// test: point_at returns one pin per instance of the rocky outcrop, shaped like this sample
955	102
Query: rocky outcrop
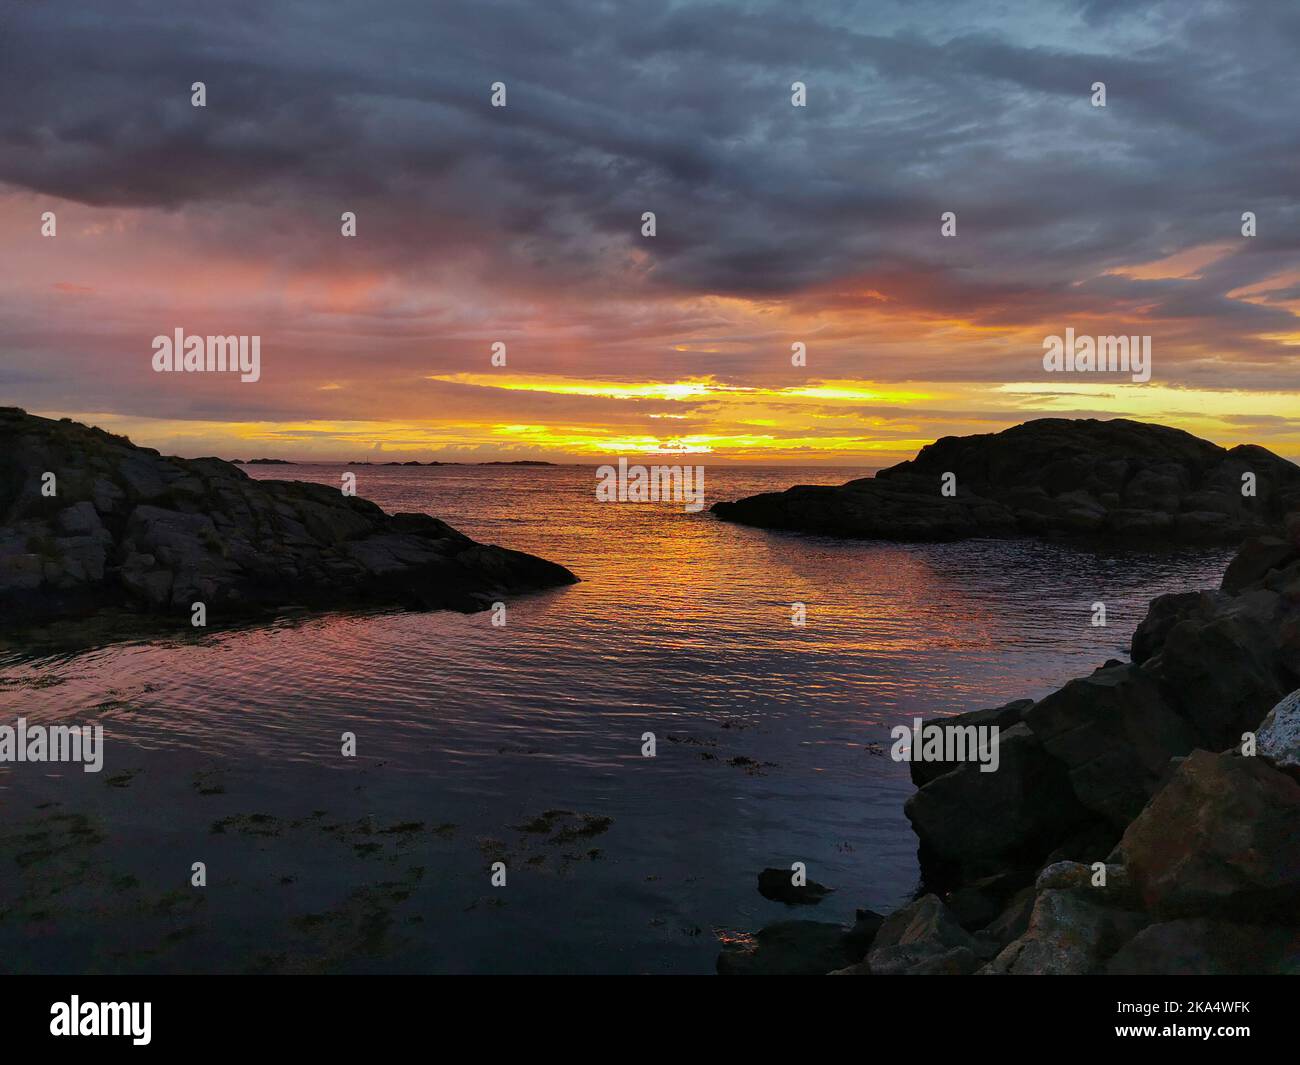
1185	763
1221	839
974	824
1114	480
89	521
924	938
1144	819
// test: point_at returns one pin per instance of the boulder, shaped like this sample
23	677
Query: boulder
1012	922
973	824
1070	934
923	938
788	948
1201	850
1222	666
778	885
1002	716
1115	733
1257	558
980	902
1278	738
1203	947
1221	839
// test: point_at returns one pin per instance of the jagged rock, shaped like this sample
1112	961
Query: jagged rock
80	519
1012	922
788	948
976	823
923	938
1257	558
1114	889
1002	716
1205	845
1117	480
1203	947
1069	934
1162	615
1222	665
977	904
1278	738
1115	733
130	529
778	885
1222	838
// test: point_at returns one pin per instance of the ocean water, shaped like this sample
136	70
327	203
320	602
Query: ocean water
523	744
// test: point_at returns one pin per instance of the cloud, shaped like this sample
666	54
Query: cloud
522	224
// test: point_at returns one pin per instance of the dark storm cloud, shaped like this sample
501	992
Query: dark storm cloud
682	109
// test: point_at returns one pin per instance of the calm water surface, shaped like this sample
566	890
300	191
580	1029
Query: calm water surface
225	748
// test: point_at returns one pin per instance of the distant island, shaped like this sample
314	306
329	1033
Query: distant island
516	462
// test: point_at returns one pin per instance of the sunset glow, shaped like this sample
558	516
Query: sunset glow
784	233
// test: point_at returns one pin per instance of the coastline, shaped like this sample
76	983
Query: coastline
1144	820
90	523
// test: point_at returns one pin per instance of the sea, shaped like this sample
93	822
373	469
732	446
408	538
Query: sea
588	782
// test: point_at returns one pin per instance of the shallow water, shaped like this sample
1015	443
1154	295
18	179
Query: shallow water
225	748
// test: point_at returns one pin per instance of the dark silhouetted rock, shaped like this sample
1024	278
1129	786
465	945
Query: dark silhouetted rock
1221	839
788	948
1116	480
978	903
1071	932
859	938
1203	947
778	885
1115	733
1258	557
1002	716
973	824
1201	850
130	529
923	938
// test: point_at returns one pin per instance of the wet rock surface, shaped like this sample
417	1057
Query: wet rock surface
789	948
779	885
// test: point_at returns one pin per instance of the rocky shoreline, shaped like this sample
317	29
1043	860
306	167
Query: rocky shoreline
1143	820
91	524
1118	481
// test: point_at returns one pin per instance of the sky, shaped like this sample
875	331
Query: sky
775	225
